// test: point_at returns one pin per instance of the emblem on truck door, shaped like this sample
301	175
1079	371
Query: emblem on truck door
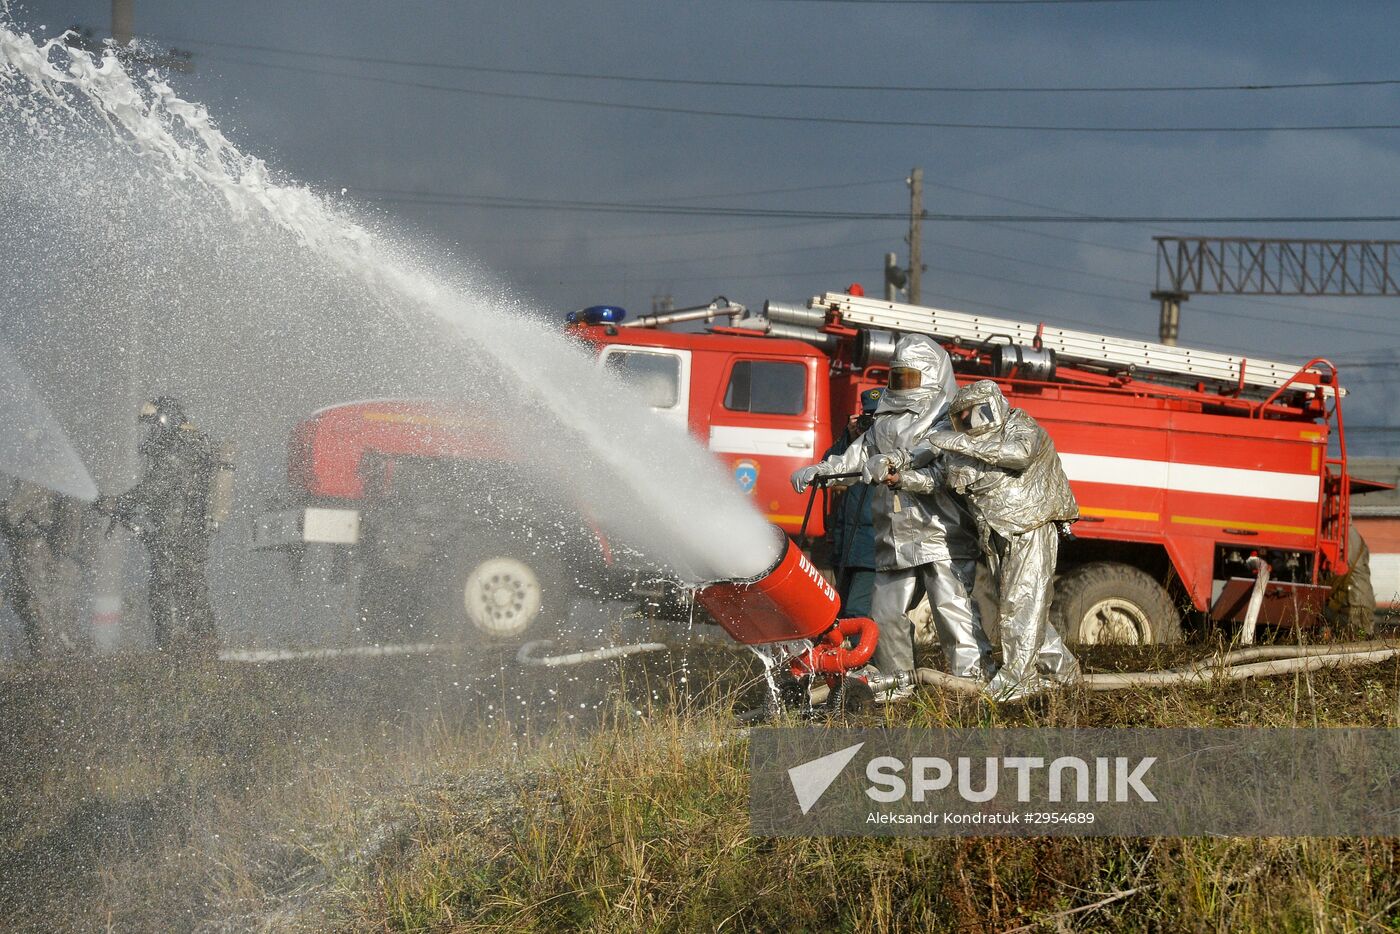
746	473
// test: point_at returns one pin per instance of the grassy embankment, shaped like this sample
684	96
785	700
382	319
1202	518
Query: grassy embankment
394	797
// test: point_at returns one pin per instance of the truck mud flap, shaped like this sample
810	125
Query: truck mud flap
1285	604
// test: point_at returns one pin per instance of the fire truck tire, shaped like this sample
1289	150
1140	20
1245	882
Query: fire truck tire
1110	603
502	595
1353	600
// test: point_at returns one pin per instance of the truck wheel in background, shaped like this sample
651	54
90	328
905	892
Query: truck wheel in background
1107	603
1352	603
501	594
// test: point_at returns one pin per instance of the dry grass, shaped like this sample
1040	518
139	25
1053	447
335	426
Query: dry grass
389	796
645	828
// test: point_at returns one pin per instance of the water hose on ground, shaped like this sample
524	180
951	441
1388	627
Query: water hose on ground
527	656
260	656
1238	665
1232	666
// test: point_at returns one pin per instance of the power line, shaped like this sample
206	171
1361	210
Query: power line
661	280
798	118
705	259
791	85
1030	285
1049	236
835	186
1027	262
623	207
664	234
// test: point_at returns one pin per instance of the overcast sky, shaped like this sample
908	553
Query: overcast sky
303	99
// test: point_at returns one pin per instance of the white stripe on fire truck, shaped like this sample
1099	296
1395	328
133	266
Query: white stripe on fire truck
783	442
1191	478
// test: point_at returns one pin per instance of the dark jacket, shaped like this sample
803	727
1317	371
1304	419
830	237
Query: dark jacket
171	501
851	525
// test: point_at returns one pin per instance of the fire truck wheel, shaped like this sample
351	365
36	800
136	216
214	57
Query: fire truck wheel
1107	603
502	596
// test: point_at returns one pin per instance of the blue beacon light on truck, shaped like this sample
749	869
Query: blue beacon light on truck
597	314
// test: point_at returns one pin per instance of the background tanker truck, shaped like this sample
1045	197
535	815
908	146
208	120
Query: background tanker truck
1202	477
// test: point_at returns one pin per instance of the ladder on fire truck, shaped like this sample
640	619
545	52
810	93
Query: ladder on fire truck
1070	347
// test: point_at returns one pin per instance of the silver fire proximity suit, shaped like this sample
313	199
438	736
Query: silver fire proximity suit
924	539
1007	467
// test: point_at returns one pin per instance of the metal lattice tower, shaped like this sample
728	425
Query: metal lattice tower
1189	266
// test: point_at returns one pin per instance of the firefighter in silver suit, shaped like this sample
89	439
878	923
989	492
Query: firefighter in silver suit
1006	466
925	541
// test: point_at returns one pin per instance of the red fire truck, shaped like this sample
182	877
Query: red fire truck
1186	464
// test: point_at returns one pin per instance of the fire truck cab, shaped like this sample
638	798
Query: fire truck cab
762	406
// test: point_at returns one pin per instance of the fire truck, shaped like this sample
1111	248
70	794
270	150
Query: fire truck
1203	478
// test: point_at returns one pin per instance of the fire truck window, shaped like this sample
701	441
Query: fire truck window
767	388
657	377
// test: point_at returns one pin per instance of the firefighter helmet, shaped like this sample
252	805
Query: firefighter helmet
163	414
979	408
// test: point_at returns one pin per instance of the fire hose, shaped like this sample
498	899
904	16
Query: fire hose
1237	665
526	655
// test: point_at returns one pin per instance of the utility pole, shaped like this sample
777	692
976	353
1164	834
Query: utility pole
916	231
123	31
123	20
1169	324
895	278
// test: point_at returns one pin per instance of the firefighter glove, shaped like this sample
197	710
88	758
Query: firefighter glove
880	466
802	477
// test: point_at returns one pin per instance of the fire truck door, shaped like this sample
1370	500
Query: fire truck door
660	375
763	427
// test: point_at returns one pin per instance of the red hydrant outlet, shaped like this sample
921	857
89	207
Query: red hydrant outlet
831	657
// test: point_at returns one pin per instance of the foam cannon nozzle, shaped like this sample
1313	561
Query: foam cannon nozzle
791	602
